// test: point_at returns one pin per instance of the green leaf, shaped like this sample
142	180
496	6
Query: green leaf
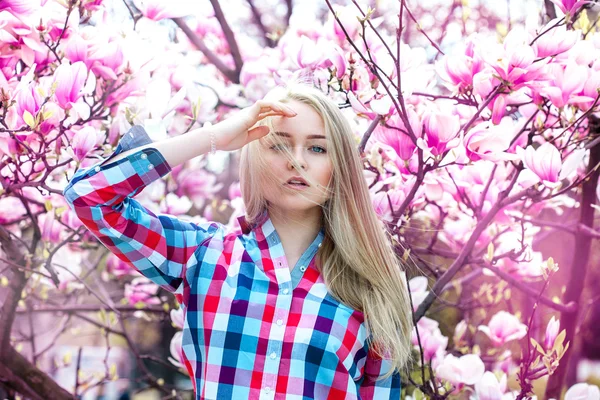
29	120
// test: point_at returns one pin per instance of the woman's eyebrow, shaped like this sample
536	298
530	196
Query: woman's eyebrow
285	134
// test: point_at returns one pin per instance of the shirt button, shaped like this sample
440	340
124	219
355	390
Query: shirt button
267	390
302	268
273	356
150	166
279	322
144	156
286	291
97	169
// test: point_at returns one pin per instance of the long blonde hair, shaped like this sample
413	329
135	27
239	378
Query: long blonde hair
358	263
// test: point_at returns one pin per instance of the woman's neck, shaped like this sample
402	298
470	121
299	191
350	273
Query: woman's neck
296	230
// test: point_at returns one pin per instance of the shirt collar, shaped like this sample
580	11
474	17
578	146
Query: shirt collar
265	222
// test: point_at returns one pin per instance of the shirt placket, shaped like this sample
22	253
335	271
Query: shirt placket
280	317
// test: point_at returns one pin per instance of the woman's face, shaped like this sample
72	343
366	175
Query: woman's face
304	137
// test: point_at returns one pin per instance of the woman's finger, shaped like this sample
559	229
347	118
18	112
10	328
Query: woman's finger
268	105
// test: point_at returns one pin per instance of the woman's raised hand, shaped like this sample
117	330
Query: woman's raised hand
236	131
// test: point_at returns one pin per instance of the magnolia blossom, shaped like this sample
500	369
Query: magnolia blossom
418	290
441	132
460	331
431	338
459	68
504	327
177	317
551	333
141	291
583	391
397	135
175	205
160	9
177	357
118	267
11	209
466	370
69	81
566	82
569	6
490	142
555	40
51	230
84	141
489	387
544	164
198	185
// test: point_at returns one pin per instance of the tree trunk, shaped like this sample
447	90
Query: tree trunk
579	267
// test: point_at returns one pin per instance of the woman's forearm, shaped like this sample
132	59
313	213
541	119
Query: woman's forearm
177	149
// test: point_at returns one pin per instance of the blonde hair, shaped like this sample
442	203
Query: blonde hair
359	266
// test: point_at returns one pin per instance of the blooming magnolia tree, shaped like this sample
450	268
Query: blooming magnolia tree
473	147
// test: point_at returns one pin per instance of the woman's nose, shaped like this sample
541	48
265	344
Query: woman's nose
299	156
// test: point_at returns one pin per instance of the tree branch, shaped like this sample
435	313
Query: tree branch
199	43
25	378
258	19
230	37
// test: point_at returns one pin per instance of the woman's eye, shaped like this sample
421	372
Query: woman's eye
321	149
276	147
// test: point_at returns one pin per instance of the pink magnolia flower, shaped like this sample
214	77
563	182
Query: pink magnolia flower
234	190
105	59
466	370
569	6
551	333
28	103
585	99
459	69
20	7
337	60
141	291
50	230
490	142
177	317
489	387
397	136
118	267
460	332
504	327
432	340
160	9
77	49
347	16
555	40
177	357
514	61
70	80
441	130
175	205
544	162
583	391
566	82
84	141
382	201
418	290
11	209
198	185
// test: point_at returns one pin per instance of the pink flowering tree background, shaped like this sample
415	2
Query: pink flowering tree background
480	135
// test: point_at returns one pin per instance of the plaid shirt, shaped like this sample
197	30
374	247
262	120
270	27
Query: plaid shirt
253	329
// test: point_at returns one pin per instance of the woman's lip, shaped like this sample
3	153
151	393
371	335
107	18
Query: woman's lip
297	186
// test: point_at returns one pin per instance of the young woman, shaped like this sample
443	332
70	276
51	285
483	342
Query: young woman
306	299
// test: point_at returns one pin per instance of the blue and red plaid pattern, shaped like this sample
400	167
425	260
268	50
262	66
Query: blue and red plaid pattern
253	329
